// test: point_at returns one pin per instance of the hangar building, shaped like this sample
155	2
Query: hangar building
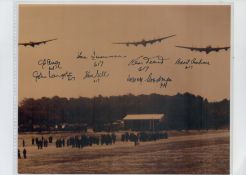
144	122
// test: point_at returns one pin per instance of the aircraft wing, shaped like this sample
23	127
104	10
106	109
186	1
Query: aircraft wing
33	44
24	44
207	49
192	48
45	41
221	48
144	43
159	39
128	43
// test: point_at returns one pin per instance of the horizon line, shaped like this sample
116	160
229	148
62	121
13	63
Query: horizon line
108	96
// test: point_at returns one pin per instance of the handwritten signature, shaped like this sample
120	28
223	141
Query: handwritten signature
147	60
51	75
51	64
95	56
159	79
189	63
96	76
143	63
81	55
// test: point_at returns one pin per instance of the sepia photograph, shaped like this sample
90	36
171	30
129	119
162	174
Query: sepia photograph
124	89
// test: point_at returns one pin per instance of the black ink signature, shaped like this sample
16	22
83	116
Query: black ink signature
200	61
81	56
190	62
67	75
147	60
50	63
133	79
98	74
143	68
158	79
182	61
38	75
94	56
161	80
98	63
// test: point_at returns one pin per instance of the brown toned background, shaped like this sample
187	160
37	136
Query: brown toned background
87	28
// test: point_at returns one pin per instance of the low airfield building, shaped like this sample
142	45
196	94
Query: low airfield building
144	122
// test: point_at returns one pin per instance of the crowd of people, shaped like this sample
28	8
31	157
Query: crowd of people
89	140
143	137
43	142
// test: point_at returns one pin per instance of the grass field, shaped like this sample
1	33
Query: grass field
191	152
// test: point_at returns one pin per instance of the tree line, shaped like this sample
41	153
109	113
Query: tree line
182	111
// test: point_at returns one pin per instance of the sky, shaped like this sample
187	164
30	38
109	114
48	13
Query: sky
90	28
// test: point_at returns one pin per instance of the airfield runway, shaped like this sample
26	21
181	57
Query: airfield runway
183	152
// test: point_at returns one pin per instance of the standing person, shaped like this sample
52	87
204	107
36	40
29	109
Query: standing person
113	138
23	143
19	156
50	139
24	153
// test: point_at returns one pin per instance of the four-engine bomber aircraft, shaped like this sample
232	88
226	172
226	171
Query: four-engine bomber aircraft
207	49
33	44
144	42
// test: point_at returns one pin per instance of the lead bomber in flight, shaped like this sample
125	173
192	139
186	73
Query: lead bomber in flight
144	42
33	44
207	49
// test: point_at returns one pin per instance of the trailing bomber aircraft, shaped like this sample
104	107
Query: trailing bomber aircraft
207	49
144	42
33	44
